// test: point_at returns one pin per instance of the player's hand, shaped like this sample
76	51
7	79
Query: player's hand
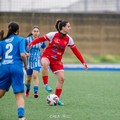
85	66
29	46
26	67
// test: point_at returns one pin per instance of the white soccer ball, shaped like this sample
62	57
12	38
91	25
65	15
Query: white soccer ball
52	99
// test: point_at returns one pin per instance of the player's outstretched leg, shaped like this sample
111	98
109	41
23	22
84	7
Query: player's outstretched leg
45	63
45	81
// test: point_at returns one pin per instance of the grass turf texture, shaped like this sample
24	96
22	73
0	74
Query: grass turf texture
92	58
87	96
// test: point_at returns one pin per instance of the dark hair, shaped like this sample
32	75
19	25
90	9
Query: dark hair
12	29
32	29
60	24
1	34
35	27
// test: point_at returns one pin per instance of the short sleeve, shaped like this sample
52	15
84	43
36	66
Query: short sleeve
50	35
71	42
22	46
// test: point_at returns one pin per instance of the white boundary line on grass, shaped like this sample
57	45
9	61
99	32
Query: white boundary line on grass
93	66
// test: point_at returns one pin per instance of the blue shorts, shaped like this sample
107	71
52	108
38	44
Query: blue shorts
12	75
30	71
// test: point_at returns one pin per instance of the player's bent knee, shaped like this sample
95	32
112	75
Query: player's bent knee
61	79
45	66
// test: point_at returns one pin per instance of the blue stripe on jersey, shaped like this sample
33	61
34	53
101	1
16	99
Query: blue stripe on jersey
34	59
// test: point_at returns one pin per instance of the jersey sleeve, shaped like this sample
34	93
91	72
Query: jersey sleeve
71	42
77	53
22	46
50	36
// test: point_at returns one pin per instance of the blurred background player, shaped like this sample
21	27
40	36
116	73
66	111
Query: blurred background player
12	51
53	53
33	61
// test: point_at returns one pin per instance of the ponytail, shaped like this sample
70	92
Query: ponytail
12	29
59	24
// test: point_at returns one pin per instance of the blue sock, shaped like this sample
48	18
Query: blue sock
35	89
20	112
28	86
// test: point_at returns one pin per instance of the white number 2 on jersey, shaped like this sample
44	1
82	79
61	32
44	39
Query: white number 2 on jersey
9	48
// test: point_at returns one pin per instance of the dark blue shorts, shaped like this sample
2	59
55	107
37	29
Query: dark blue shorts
30	71
12	75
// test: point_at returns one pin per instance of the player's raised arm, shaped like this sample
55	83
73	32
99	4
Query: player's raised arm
37	40
79	56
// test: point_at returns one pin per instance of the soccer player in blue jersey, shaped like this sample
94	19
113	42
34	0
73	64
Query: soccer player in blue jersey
12	51
33	61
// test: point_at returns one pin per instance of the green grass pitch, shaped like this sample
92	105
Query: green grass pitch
87	95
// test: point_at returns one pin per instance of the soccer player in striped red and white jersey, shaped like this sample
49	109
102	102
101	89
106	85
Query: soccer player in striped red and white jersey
52	55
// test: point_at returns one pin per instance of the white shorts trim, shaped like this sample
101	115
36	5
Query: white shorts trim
57	71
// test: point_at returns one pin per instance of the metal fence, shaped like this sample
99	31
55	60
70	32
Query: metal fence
61	6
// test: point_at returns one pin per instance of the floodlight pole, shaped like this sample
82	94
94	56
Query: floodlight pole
86	5
117	5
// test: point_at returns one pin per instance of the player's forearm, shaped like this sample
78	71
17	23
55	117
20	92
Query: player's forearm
37	40
23	57
78	54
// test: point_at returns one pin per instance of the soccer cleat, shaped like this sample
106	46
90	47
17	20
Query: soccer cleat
48	88
27	93
23	118
35	95
60	103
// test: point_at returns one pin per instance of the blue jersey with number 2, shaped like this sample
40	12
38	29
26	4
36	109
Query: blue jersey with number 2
11	48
